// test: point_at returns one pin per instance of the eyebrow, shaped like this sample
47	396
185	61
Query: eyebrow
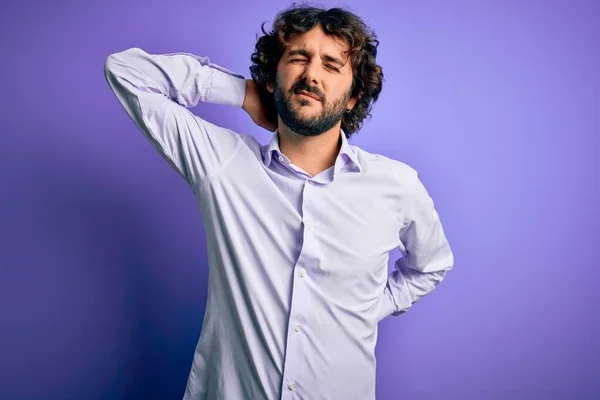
302	52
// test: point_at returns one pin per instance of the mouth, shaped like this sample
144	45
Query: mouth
308	95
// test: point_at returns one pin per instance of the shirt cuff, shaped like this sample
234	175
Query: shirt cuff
226	88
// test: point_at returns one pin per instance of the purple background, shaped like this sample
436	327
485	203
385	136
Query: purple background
102	251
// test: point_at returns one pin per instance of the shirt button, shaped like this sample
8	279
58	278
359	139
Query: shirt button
292	386
302	274
280	158
310	227
298	328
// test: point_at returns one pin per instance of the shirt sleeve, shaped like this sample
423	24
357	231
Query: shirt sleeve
156	91
426	255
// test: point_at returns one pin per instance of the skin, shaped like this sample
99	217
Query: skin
318	63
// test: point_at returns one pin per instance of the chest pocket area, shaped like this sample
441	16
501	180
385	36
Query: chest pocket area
355	245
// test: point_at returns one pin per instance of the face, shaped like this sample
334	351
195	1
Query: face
314	79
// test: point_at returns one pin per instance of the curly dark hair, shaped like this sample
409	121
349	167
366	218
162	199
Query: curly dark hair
367	75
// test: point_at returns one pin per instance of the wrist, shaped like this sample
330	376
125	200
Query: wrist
248	94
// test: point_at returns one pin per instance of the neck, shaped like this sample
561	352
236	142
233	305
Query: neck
314	154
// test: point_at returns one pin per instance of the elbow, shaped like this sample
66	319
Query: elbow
113	63
109	65
442	262
119	59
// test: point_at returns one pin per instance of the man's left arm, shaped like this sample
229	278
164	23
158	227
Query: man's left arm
426	255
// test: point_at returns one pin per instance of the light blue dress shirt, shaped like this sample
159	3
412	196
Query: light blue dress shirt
298	264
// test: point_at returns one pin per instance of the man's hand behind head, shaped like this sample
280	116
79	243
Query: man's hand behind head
255	108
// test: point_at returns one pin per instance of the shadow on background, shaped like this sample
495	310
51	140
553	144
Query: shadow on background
103	304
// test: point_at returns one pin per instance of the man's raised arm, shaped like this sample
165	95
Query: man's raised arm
156	91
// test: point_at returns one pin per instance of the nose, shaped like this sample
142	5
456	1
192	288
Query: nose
312	74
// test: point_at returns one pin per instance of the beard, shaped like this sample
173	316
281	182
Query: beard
315	125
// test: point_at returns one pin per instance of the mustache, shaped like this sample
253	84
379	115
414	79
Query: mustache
302	86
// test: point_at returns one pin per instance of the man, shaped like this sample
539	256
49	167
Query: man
299	231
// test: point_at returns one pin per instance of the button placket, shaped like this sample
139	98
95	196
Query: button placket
299	312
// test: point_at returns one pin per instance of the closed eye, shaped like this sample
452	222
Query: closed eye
329	66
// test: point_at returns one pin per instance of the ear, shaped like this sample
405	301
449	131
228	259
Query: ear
270	87
351	103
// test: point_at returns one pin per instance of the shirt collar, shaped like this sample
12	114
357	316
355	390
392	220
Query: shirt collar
345	155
